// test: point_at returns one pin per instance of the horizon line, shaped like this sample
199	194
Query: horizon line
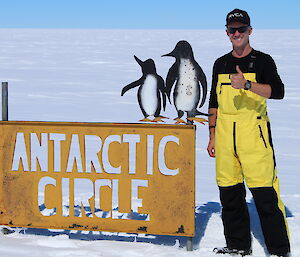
70	28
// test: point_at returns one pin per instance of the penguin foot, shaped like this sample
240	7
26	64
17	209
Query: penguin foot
159	119
178	121
200	120
145	120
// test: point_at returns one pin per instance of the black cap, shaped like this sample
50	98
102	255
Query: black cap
238	16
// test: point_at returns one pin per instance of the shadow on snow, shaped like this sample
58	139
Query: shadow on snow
203	214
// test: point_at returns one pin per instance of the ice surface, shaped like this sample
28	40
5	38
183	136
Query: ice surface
78	75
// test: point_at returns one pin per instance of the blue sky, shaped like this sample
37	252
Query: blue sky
139	14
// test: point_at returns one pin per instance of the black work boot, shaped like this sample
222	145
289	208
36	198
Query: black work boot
233	252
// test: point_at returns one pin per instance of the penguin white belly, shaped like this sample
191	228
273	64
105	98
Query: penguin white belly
187	87
149	99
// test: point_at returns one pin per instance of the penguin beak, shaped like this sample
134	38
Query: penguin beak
140	62
169	54
172	54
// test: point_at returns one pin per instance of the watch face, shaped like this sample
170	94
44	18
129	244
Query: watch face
248	85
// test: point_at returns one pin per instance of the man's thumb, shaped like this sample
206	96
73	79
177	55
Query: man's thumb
238	69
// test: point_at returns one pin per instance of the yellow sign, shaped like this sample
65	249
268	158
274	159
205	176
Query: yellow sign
132	178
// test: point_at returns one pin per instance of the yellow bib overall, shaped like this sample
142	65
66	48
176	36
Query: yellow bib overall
244	152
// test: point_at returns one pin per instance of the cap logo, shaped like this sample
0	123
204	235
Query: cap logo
235	15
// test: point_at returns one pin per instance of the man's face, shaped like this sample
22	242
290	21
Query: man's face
238	39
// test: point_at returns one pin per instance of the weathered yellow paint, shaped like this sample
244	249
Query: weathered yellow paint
168	199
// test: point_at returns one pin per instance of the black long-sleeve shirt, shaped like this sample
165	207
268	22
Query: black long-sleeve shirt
256	62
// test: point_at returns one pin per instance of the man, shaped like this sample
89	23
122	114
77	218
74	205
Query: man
240	139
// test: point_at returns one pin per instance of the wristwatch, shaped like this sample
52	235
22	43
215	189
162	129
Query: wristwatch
247	85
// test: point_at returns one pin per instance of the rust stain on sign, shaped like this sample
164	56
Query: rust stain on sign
91	176
180	230
144	229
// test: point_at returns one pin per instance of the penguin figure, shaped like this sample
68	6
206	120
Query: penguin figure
152	88
187	74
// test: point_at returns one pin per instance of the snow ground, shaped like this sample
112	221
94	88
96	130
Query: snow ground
77	75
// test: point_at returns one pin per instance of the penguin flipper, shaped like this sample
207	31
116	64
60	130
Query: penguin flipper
130	86
171	77
203	82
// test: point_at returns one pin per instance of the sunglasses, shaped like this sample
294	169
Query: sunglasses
242	29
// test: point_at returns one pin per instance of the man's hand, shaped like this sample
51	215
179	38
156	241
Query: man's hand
238	80
211	148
